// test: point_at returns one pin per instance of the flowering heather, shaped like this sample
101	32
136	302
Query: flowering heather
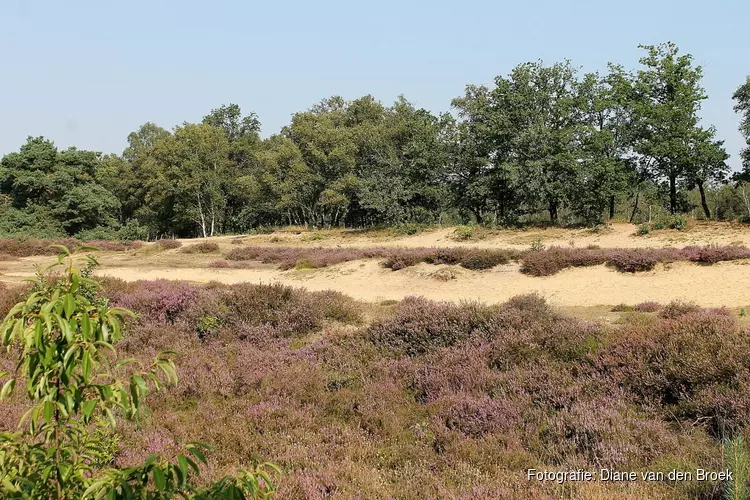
647	307
630	260
430	399
159	301
30	247
554	259
394	258
290	257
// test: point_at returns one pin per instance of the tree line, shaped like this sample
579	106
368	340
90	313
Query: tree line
543	144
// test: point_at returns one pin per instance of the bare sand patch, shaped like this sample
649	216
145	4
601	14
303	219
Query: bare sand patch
723	284
616	235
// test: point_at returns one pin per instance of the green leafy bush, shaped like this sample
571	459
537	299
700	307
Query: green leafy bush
463	233
679	222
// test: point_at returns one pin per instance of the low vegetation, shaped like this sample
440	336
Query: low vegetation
422	398
539	262
61	340
27	247
202	247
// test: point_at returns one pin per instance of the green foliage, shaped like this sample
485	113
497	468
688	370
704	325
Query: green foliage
207	325
543	144
62	336
537	245
738	462
679	222
742	98
644	229
463	233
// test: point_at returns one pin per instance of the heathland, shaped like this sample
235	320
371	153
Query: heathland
454	360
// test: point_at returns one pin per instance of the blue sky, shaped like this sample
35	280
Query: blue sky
88	72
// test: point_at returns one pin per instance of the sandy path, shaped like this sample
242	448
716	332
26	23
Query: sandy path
724	284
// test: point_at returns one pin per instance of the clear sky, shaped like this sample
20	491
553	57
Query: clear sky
88	72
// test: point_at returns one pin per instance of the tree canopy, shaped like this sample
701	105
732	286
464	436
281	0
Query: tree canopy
545	143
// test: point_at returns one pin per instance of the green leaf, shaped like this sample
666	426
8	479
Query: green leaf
86	365
69	305
197	453
49	410
87	409
159	479
7	388
183	463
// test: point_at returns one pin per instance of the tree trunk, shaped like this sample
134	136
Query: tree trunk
478	215
703	201
745	199
672	194
611	207
553	212
635	206
201	215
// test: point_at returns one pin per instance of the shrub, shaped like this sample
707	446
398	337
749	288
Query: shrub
419	325
537	245
633	260
485	259
202	247
115	246
679	222
98	233
711	254
670	361
647	307
477	416
643	229
622	308
676	309
554	259
408	228
463	233
169	244
133	231
157	302
258	312
403	258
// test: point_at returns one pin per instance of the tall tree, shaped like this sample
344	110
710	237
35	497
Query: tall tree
193	164
538	106
742	96
667	98
133	181
604	168
706	162
474	155
63	182
243	134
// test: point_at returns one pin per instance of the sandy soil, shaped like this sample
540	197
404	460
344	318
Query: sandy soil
619	235
723	284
